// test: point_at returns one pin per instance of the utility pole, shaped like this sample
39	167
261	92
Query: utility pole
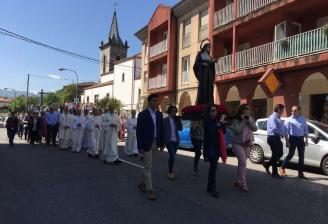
41	94
27	89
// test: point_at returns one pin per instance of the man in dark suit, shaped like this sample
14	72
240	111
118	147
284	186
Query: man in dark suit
149	139
34	128
171	127
12	126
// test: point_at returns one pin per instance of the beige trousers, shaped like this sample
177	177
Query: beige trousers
148	159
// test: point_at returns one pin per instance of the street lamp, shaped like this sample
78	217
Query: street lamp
11	89
77	79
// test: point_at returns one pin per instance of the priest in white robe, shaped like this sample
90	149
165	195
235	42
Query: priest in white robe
98	132
78	126
131	148
70	130
91	128
65	134
86	136
112	124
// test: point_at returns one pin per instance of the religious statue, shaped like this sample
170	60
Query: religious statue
204	70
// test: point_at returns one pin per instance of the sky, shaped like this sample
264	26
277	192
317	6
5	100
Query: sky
74	25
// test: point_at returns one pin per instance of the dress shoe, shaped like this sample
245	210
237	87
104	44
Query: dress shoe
151	195
241	187
275	175
142	187
301	176
195	172
266	167
171	176
117	162
214	194
282	172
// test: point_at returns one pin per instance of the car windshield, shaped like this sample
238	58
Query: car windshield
322	126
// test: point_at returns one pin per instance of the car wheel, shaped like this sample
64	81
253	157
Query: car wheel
324	165
256	154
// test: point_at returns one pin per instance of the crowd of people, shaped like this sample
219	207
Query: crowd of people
98	131
94	130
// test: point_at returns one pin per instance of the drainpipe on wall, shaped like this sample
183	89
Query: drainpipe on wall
133	82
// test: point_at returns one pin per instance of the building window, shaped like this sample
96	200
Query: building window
203	25
123	77
104	64
88	99
96	98
186	33
185	69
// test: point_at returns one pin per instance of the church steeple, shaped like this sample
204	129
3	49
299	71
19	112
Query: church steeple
114	49
114	35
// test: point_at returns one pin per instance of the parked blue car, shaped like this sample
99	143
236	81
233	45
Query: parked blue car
185	141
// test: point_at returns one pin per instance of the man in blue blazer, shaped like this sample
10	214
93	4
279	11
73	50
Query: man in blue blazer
149	139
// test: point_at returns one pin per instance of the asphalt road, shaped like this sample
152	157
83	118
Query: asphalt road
43	185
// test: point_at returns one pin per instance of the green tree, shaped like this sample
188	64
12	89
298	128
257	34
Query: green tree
52	98
67	94
109	102
33	101
18	104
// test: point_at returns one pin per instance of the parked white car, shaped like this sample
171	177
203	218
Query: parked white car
316	153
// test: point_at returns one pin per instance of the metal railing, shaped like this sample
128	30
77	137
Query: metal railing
158	81
159	48
255	56
244	7
247	6
306	43
223	16
224	64
186	40
203	32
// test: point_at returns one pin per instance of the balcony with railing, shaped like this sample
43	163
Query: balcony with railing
159	81
224	65
247	6
223	16
186	40
303	44
244	7
159	48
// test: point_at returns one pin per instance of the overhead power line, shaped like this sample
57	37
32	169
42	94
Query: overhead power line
66	52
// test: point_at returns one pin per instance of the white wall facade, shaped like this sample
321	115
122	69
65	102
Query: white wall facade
100	91
107	78
126	86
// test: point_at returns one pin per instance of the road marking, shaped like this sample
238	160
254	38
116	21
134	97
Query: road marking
133	164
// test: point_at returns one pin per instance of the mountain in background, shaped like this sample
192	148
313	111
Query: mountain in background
11	93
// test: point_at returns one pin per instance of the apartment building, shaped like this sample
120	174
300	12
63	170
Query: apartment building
268	51
283	37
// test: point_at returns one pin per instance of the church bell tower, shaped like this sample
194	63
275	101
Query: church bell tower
113	50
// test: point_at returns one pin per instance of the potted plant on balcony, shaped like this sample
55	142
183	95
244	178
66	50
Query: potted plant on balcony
284	44
325	29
